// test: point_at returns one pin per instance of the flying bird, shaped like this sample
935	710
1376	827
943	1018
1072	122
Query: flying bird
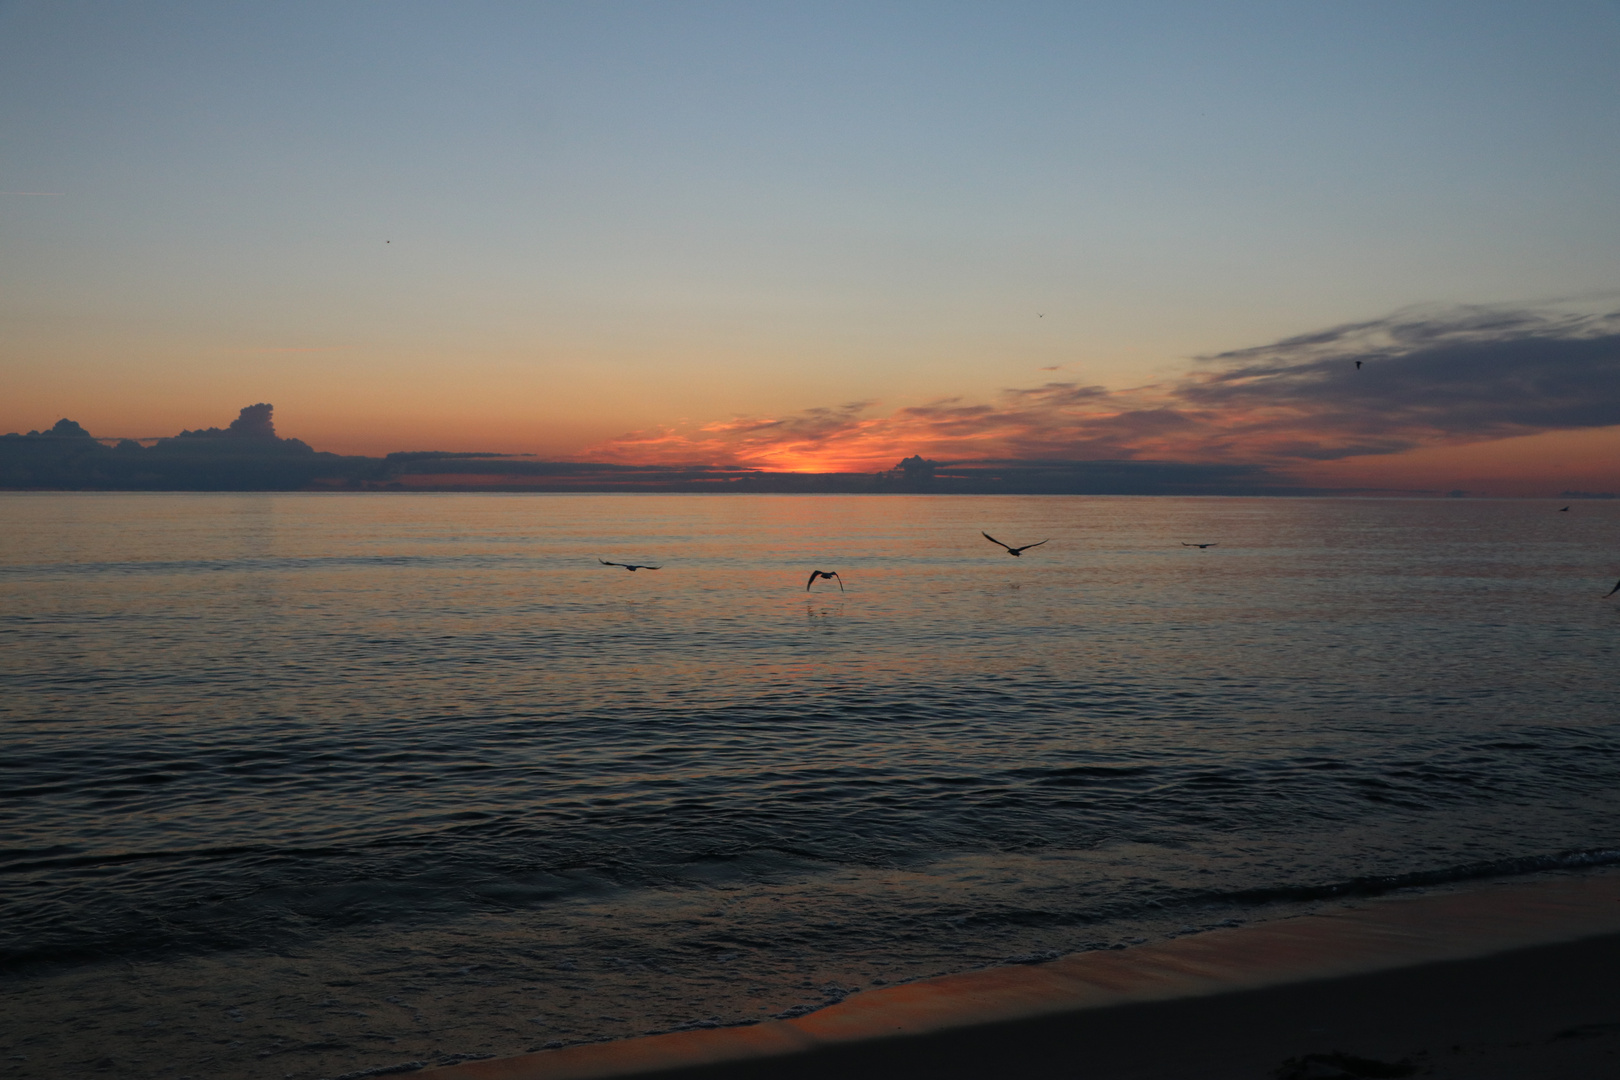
1200	546
828	574
1563	509
1358	365
630	566
1612	591
1013	551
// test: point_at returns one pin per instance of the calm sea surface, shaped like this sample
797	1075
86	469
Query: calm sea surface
238	722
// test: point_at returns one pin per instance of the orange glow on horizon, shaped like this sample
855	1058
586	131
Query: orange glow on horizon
1059	422
1532	465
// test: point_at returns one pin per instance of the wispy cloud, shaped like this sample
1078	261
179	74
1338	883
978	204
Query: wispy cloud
1425	378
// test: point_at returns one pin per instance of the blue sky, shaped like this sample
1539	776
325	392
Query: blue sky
534	227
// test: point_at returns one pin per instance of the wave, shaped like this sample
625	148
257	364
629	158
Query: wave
276	918
1378	884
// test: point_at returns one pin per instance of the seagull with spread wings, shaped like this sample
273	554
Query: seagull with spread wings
1201	546
1013	551
630	566
828	574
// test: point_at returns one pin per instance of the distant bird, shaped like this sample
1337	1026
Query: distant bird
1185	544
828	574
1040	314
1612	591
1358	365
630	566
1013	551
1563	509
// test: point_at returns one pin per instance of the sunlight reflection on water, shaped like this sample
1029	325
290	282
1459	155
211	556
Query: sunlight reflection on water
238	720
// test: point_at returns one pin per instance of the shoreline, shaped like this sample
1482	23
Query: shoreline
1392	979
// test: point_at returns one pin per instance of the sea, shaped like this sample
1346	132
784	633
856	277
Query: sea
321	725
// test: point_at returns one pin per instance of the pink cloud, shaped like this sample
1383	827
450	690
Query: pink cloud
1424	379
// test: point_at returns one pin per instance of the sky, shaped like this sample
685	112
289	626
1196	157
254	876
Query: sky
826	235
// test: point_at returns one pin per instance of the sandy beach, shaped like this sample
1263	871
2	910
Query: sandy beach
1510	978
1518	979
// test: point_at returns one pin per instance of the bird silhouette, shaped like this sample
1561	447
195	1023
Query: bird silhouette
1358	365
630	566
829	574
1210	545
1563	509
1612	591
1013	551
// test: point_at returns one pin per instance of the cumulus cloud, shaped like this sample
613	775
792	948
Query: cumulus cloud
1424	378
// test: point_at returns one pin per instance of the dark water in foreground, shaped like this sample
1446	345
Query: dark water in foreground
261	721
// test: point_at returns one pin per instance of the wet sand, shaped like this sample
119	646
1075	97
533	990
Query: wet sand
1487	968
368	996
1504	980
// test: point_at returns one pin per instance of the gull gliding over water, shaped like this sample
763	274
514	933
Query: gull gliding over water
632	567
1013	551
1612	591
829	574
1200	546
